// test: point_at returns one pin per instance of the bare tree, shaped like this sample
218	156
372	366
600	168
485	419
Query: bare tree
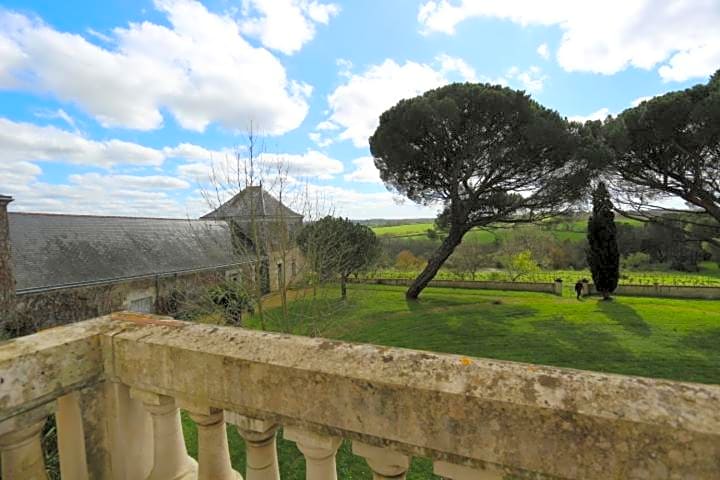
264	204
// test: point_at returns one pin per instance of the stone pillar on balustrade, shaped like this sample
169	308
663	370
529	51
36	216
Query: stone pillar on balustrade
170	457
21	453
260	446
213	452
386	463
319	451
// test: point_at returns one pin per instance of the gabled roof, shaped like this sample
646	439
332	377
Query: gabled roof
252	202
52	251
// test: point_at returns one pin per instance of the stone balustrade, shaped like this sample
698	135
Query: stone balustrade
117	384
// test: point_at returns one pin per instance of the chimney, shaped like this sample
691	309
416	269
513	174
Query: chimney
7	278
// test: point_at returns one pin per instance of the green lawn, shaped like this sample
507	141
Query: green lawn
663	338
403	230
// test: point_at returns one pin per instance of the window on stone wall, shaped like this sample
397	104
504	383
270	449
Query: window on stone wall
142	305
232	275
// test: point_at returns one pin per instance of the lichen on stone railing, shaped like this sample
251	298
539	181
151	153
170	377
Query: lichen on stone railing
117	384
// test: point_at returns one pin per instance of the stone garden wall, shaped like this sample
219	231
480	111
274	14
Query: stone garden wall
661	291
555	288
665	291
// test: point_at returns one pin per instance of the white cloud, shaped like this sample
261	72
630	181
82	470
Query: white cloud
326	125
531	79
606	37
640	100
189	151
450	64
17	174
363	205
694	62
544	51
25	142
286	25
197	171
59	114
11	58
93	193
600	114
309	164
356	105
319	140
345	67
365	171
99	35
131	182
199	68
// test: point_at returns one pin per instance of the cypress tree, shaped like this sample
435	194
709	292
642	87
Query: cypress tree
602	254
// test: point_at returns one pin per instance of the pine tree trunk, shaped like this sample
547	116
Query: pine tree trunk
436	261
343	287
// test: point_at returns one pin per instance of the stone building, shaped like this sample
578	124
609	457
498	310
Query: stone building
259	219
57	269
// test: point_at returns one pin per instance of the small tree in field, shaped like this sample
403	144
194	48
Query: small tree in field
408	261
602	255
521	264
468	258
337	247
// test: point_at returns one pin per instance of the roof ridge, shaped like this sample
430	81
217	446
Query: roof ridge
111	216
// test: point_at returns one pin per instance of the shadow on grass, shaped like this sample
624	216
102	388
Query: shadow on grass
625	316
706	342
513	332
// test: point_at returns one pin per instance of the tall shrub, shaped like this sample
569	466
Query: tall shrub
602	254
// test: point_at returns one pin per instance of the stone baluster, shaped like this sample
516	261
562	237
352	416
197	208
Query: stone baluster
170	458
71	437
319	451
260	446
213	452
454	471
21	452
130	431
384	462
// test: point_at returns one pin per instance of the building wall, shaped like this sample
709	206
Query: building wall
167	294
288	268
7	279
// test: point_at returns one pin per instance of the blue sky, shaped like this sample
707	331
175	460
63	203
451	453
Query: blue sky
128	106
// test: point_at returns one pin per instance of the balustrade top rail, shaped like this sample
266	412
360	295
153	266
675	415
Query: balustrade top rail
528	420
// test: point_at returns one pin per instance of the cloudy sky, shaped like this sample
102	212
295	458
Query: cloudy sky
127	106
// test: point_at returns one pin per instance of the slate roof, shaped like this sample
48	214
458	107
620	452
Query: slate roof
51	251
252	201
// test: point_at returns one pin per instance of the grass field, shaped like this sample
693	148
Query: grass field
484	236
663	338
573	230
